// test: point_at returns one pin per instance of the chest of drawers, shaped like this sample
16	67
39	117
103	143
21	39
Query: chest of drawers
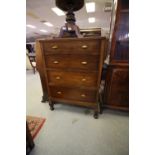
72	70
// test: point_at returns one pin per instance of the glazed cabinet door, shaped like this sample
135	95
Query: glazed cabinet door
120	35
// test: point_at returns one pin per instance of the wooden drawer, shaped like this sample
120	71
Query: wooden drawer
73	94
72	78
72	47
86	62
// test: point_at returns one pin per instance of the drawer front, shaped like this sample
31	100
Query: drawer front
72	47
72	78
73	94
85	62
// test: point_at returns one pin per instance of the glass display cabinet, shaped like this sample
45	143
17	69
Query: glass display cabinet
116	92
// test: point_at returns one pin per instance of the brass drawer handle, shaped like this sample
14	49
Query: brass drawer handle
84	62
84	46
55	47
55	62
59	92
83	95
58	78
83	79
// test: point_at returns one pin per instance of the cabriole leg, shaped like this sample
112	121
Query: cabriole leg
44	98
96	113
51	104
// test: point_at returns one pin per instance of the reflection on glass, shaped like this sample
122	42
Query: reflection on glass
122	37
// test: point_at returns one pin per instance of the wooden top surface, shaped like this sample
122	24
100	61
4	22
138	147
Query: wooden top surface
69	39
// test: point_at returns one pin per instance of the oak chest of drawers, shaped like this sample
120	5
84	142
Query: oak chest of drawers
72	70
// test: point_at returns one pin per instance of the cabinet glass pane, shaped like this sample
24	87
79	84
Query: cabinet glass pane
122	37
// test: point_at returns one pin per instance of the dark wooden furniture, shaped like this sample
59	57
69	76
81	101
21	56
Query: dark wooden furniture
40	69
29	141
70	29
69	5
70	70
117	87
116	92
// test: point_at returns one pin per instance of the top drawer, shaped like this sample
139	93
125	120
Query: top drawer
72	47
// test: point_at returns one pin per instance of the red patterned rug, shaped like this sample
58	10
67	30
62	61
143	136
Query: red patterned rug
34	124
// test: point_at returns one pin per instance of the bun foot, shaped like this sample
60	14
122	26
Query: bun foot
96	115
51	104
44	98
51	108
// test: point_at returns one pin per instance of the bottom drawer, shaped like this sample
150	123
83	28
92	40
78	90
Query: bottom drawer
73	94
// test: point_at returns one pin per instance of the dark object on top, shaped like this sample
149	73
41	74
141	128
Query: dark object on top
70	17
68	34
70	29
67	5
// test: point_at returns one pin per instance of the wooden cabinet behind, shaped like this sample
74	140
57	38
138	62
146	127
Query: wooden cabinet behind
117	87
116	93
71	69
